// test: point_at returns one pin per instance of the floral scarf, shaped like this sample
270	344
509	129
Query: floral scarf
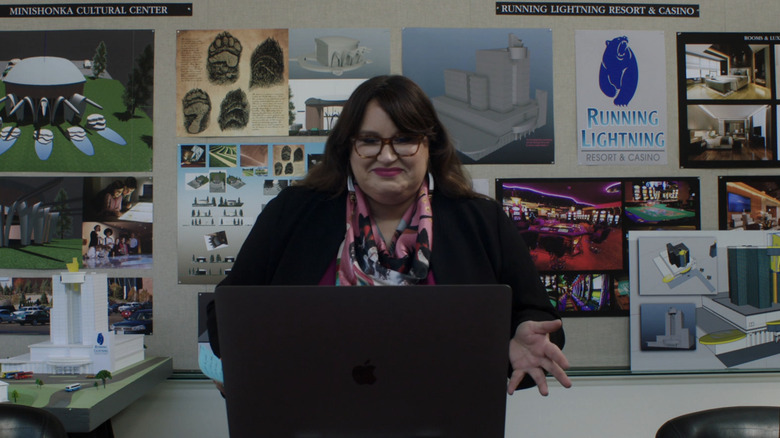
366	260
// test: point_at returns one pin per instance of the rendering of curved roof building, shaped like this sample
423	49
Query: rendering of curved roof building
45	87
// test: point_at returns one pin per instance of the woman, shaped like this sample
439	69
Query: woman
391	204
111	198
108	241
94	240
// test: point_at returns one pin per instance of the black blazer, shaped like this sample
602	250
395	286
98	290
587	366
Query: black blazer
297	236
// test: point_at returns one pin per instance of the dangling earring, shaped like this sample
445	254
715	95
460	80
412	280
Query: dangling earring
351	189
430	182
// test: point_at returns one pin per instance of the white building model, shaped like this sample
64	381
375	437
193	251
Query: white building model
492	107
80	340
335	54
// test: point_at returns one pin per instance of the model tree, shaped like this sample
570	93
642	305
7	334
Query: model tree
100	60
103	375
140	82
65	220
38	383
14	395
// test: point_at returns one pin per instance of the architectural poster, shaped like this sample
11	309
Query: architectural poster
575	230
325	67
704	300
728	101
492	89
102	222
118	222
40	222
125	296
221	190
621	97
232	82
76	101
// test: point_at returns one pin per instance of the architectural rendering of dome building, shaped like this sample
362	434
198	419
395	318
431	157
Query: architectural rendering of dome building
45	89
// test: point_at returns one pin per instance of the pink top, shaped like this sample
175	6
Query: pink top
113	204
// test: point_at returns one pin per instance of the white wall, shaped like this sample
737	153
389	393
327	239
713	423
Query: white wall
616	406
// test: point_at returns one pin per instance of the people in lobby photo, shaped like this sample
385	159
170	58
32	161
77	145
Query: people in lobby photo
95	239
133	245
391	204
120	247
108	240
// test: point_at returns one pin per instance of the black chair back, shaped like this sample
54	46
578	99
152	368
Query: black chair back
19	421
728	422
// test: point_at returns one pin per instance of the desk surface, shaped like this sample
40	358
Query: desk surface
140	212
86	409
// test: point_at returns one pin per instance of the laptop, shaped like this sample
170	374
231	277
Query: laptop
370	362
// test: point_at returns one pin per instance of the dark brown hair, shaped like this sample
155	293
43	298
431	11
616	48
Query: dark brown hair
412	112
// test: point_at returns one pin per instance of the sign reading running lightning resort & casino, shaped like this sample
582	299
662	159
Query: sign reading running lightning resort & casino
621	97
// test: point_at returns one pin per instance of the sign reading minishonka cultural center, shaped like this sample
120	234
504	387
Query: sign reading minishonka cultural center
621	97
96	10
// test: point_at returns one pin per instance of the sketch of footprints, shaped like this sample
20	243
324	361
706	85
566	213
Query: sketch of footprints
285	154
234	111
224	55
267	64
197	110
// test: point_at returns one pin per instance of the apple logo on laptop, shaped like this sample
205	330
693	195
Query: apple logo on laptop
364	374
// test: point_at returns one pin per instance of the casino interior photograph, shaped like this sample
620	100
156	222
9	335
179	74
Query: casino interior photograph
572	225
662	204
580	224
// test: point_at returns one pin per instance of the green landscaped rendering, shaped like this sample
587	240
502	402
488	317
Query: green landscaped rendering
53	255
137	131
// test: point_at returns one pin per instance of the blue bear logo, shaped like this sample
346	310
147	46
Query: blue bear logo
619	73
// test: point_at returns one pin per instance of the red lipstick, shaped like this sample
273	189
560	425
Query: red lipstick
387	172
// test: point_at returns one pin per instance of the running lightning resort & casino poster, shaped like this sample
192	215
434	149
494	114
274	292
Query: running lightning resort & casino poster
621	97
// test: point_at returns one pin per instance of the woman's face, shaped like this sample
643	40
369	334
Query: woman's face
387	179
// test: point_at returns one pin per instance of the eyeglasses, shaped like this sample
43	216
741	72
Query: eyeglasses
403	145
